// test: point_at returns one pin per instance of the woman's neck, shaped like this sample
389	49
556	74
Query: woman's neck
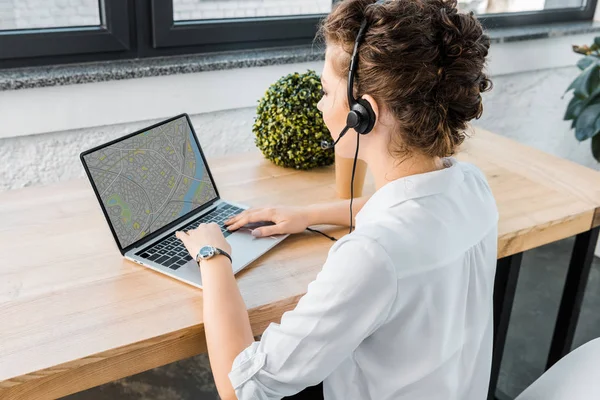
388	169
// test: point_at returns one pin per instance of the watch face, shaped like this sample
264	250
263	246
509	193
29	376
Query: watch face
207	251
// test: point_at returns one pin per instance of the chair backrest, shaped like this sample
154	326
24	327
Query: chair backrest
575	377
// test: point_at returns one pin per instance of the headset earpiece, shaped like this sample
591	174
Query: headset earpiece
365	116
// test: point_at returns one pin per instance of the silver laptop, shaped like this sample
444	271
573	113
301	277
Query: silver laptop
155	182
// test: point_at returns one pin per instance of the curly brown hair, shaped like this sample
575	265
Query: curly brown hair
422	60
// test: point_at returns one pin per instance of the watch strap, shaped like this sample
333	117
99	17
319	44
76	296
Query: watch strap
222	252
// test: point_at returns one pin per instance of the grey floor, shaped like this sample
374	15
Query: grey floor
536	304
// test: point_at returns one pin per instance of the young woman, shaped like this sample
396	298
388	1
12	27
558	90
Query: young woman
402	308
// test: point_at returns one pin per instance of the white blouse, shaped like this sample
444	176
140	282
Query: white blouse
402	308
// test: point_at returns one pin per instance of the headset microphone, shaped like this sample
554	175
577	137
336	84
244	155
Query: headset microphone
329	145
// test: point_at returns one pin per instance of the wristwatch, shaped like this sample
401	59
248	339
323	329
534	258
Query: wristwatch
207	252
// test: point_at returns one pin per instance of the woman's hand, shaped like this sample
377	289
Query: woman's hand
203	235
287	220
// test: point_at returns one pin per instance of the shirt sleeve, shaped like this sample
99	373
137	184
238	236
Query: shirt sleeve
350	298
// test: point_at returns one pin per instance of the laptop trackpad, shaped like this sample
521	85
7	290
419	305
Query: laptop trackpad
245	249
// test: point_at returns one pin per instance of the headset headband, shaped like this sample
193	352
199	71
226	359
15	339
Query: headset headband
354	61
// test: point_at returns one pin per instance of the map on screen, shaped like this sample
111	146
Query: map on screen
150	179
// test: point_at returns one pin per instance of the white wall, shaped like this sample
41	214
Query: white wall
528	107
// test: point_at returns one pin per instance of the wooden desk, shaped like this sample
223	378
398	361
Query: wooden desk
74	314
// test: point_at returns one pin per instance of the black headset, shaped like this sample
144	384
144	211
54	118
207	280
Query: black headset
361	116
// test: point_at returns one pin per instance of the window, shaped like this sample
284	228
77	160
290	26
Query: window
235	24
42	32
34	29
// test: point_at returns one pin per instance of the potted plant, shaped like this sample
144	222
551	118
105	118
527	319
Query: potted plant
288	127
584	107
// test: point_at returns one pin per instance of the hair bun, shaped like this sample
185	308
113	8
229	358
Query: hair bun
459	33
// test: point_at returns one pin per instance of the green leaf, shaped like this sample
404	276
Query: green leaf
586	82
585	127
586	62
596	147
574	108
596	127
597	41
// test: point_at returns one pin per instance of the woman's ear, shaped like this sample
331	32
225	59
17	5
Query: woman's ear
373	104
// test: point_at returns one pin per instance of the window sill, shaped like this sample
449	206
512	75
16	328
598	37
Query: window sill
37	77
506	35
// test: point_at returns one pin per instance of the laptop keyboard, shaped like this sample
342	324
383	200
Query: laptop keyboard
170	252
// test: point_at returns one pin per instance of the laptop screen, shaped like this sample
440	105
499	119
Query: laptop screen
150	179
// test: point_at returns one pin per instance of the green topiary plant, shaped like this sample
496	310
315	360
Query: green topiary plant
584	107
289	127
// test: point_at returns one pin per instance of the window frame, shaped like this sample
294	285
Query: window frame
133	29
111	35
